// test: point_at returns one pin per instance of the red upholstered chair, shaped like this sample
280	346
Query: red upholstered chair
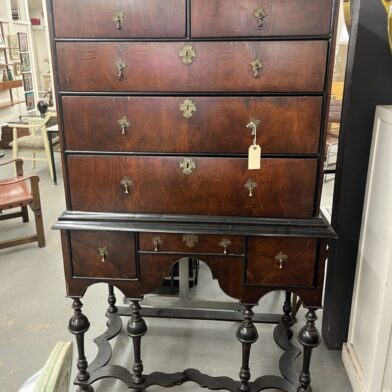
15	193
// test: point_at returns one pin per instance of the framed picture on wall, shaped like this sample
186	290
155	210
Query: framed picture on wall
28	81
25	61
30	102
14	47
17	69
2	43
23	45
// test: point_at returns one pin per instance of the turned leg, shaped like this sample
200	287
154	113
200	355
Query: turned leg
309	337
287	318
136	329
111	300
78	326
247	335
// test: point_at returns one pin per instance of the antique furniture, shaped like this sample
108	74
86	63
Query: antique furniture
15	193
165	107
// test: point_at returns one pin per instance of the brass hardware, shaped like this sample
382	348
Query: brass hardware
224	244
187	107
120	65
259	14
103	253
254	123
388	8
187	165
157	242
281	259
118	17
126	182
190	240
256	65
250	185
187	54
124	123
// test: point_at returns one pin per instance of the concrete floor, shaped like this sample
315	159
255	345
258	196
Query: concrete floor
34	316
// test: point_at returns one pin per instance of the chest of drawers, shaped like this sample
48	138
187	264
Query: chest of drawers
159	102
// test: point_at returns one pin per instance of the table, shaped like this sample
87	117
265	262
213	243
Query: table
52	132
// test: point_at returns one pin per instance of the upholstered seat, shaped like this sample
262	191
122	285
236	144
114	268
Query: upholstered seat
32	142
14	195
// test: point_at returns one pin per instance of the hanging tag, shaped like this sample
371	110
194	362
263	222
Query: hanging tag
254	157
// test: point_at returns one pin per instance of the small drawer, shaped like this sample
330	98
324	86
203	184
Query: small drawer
191	243
255	18
281	262
119	18
101	254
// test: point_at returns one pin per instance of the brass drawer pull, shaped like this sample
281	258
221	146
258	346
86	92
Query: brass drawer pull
256	65
190	240
120	65
187	54
127	183
118	17
259	15
187	165
103	253
124	123
281	259
157	242
187	107
224	244
250	185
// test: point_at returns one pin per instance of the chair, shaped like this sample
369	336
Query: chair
37	140
14	193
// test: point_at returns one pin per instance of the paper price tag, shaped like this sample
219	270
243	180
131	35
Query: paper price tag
254	157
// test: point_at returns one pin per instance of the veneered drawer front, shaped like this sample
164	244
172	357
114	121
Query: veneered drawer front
233	18
138	18
101	254
191	243
298	257
216	125
217	186
287	66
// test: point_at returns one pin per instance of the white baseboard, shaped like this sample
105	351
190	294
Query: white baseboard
354	373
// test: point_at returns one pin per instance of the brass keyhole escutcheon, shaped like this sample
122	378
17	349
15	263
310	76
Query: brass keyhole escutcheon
103	253
250	185
187	165
281	259
187	54
256	65
118	18
127	183
190	240
124	123
259	14
187	107
224	244
157	242
120	65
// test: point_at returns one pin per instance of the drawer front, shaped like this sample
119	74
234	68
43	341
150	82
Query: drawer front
233	18
98	254
205	124
119	18
191	243
286	66
217	186
281	261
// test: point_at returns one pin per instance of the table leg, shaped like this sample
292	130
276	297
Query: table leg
52	158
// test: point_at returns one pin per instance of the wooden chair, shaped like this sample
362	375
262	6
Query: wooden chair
15	193
37	141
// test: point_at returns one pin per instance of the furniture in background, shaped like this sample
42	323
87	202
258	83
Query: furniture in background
15	193
161	103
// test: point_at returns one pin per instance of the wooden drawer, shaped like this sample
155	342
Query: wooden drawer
99	254
191	243
233	18
288	66
141	18
218	124
285	187
298	257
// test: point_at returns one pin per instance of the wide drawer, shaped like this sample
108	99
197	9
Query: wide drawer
282	66
215	186
281	261
192	124
99	254
233	18
191	243
119	18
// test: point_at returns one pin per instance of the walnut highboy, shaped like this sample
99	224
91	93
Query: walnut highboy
159	102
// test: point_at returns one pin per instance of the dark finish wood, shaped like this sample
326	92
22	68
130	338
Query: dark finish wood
298	270
142	18
231	18
285	186
368	83
288	66
288	124
7	135
111	300
119	263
